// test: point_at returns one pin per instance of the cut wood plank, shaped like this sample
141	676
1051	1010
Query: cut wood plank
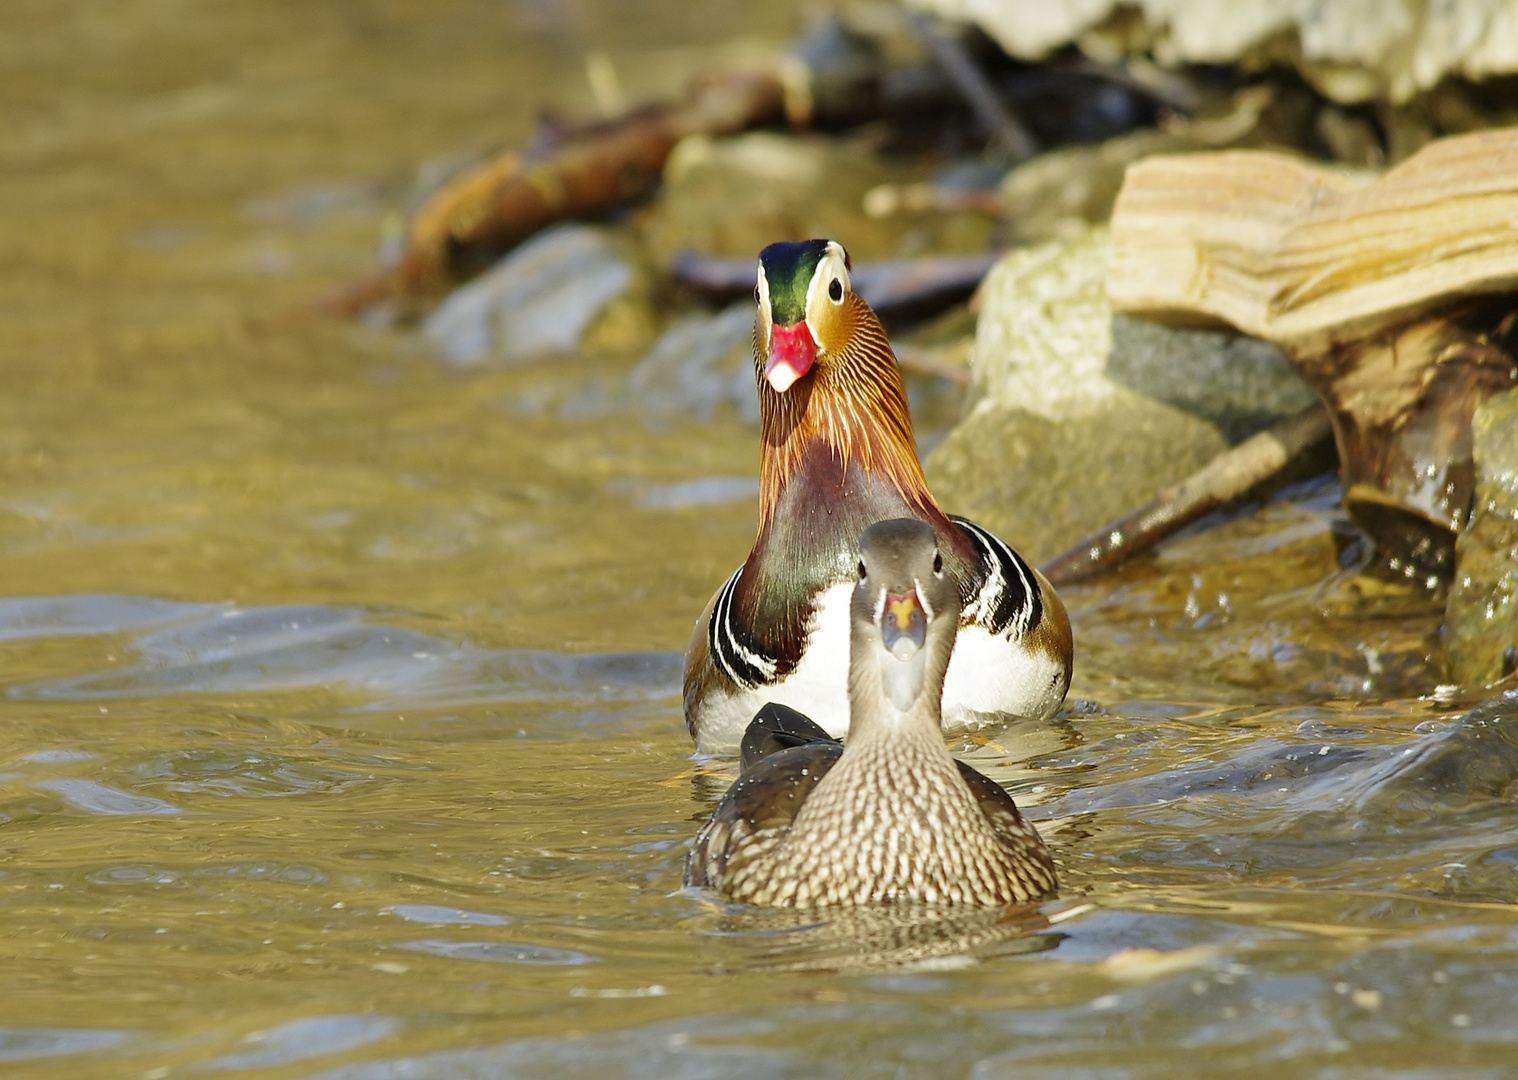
1302	254
1393	296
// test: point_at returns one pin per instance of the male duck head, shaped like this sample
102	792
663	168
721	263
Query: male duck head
827	380
800	295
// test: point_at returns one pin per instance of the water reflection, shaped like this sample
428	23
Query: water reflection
907	937
303	1039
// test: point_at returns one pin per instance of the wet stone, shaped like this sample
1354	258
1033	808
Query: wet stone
571	287
1481	618
1057	193
1076	416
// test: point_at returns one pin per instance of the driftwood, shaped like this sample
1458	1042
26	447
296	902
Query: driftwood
1229	476
1392	296
508	198
831	76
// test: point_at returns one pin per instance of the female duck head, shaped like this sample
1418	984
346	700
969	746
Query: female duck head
905	614
800	298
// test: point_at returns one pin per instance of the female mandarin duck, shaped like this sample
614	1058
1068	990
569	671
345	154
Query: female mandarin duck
891	816
837	456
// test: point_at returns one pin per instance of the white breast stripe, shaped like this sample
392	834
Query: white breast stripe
990	606
737	661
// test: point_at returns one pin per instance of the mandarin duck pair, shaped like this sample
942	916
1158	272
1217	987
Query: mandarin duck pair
865	606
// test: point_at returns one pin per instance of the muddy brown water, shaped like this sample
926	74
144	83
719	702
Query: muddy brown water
340	727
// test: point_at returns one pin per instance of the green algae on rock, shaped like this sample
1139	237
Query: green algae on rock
1481	618
1075	416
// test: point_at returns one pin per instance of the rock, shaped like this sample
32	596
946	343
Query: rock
1239	384
1481	616
1057	193
571	287
1076	417
733	196
1352	50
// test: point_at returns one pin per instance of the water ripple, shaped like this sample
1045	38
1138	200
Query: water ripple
211	649
93	797
302	1039
499	952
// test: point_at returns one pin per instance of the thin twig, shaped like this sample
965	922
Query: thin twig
1226	477
1006	129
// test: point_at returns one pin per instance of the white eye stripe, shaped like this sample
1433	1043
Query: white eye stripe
762	288
833	266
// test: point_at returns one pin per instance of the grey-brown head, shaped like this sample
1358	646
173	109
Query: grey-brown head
905	616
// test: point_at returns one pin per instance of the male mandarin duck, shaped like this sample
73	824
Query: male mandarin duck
891	816
837	456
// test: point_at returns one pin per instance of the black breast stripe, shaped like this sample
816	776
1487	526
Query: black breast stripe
1009	597
730	651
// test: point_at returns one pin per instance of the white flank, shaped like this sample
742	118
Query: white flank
990	674
819	687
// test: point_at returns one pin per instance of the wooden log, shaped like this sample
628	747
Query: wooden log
1392	296
1303	254
508	198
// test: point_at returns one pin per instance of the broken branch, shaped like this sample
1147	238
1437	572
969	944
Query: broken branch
1226	477
502	201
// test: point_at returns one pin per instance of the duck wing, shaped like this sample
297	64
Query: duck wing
777	727
1015	832
759	809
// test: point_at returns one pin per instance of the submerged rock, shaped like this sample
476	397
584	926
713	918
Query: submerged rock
570	287
1481	618
1076	416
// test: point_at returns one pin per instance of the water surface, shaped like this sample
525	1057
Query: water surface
340	688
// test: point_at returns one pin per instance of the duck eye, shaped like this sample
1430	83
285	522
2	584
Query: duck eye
937	563
861	570
835	290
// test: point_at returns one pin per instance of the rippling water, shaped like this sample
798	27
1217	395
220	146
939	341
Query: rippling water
339	690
